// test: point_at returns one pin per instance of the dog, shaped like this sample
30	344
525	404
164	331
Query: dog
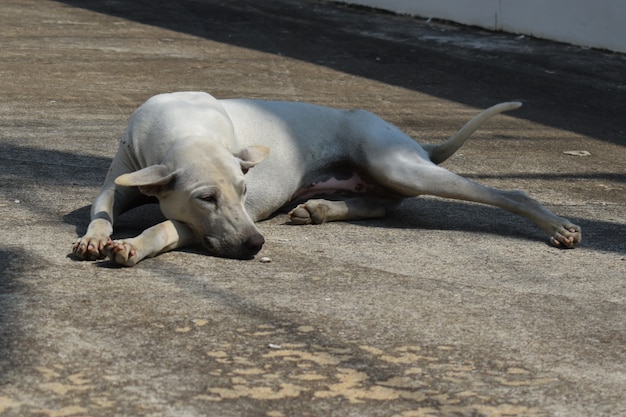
201	158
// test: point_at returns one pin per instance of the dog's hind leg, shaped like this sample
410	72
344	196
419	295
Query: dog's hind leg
317	211
409	174
398	163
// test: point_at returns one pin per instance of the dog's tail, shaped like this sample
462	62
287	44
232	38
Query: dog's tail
441	152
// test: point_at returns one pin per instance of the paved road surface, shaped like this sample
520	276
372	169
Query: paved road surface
443	309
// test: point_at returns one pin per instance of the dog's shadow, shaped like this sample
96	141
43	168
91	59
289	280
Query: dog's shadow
414	213
129	224
432	213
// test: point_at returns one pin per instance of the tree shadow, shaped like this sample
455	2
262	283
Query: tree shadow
567	87
11	289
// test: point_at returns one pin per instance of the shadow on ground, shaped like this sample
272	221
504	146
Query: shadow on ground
399	51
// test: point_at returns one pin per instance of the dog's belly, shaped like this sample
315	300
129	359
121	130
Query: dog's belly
341	180
332	185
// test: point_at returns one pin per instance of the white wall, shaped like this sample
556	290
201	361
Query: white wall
592	23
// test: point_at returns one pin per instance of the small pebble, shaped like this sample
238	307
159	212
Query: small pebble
577	153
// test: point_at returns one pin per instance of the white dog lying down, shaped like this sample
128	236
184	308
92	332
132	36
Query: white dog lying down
193	152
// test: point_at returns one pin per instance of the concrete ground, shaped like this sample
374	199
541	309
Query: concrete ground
442	309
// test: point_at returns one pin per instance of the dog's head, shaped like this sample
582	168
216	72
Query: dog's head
204	187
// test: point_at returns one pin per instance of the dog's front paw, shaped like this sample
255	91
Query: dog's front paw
121	252
311	212
566	235
90	248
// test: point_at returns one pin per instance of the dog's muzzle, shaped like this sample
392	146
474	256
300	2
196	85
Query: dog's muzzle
251	246
246	250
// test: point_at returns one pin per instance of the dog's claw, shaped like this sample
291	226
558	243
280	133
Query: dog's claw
121	252
89	248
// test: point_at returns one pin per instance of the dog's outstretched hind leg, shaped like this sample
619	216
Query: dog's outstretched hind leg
398	163
426	178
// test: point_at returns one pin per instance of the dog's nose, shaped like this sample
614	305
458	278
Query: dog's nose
252	245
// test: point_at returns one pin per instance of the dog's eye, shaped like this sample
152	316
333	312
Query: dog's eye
209	198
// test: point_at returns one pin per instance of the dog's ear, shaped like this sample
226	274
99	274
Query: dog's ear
151	180
251	156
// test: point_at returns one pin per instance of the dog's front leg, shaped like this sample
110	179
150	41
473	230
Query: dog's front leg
90	246
163	237
110	202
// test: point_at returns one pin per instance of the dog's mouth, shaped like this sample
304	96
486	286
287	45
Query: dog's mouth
244	251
